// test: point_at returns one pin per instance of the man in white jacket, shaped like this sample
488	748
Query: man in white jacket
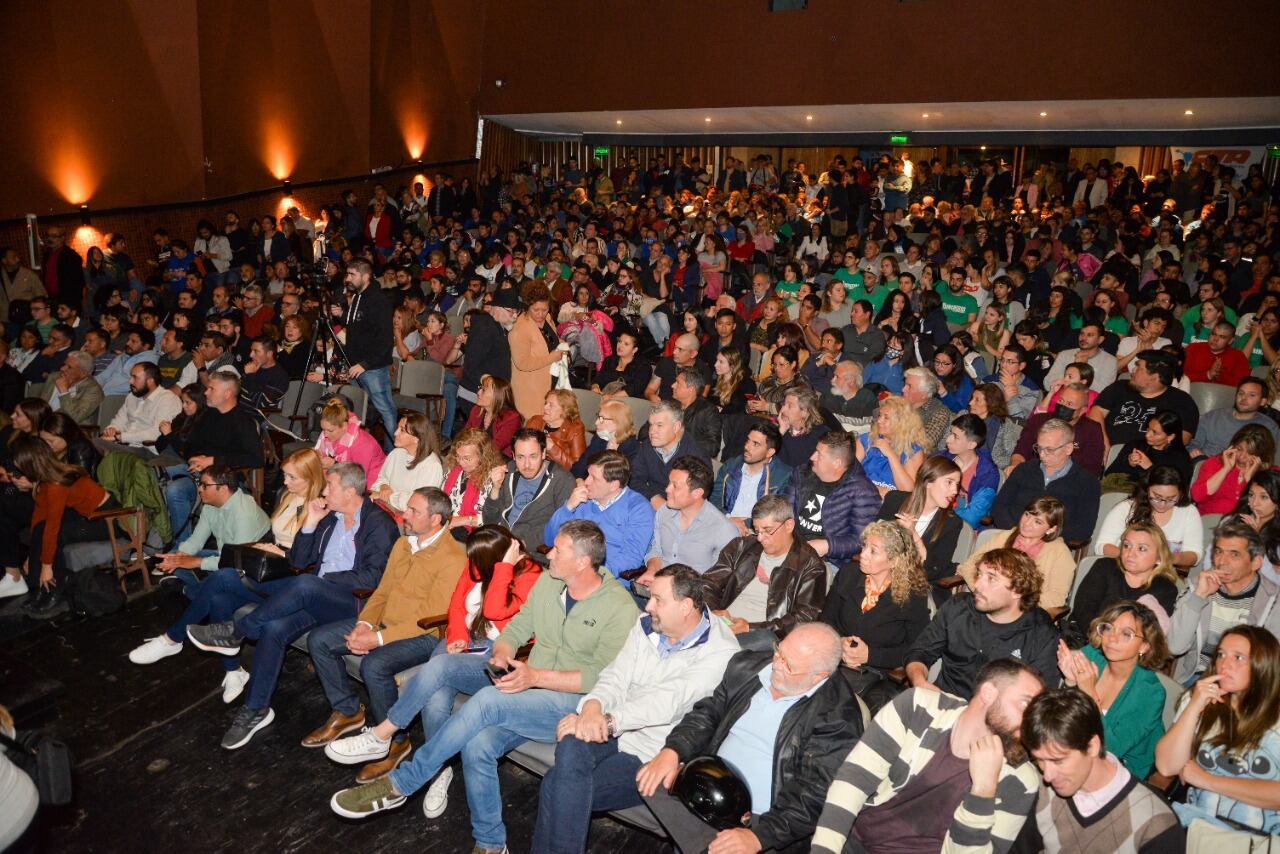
138	420
674	656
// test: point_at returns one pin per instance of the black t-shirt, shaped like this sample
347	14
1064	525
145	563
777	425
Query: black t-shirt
1128	412
666	373
810	519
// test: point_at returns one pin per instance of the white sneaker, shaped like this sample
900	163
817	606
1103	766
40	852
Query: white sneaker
437	797
12	585
233	684
155	649
358	749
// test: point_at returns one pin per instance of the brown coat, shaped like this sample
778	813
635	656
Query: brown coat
566	445
530	366
414	586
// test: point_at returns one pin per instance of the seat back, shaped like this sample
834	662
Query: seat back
1113	455
1082	569
1211	396
964	544
640	410
421	377
359	399
588	407
1172	693
298	399
1106	504
982	539
1209	521
110	405
455	324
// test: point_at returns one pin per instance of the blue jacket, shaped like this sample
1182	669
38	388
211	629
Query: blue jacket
976	503
725	492
374	539
958	400
627	524
649	474
851	506
885	373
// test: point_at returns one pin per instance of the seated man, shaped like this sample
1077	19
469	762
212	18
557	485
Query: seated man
1000	618
72	390
1216	428
139	346
148	403
526	492
1124	409
920	388
177	366
688	529
1020	392
674	656
701	419
228	514
51	357
832	500
666	440
1072	406
421	574
852	403
265	381
347	538
783	723
529	701
683	355
1089	352
1053	474
1089	801
744	480
604	498
1231	592
765	583
935	772
1215	360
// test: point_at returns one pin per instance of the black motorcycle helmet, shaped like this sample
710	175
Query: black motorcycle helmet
714	791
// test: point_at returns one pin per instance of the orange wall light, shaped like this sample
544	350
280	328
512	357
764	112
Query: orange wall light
278	151
413	128
70	171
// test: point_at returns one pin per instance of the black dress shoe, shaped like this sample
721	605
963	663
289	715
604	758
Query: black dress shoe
49	605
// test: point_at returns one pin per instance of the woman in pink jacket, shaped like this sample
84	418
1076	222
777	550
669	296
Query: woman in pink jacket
342	440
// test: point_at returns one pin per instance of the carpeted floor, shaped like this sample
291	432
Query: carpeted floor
151	776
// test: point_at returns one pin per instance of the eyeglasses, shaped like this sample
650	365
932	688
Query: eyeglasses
943	363
1126	635
1162	499
769	532
786	665
1041	450
206	484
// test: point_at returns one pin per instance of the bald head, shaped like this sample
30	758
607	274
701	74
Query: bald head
808	655
819	643
686	349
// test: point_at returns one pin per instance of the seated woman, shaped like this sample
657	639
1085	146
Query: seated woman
1226	739
65	438
1037	536
783	378
16	505
64	497
489	593
1076	373
1163	500
303	483
626	365
172	440
879	605
1142	573
471	457
763	331
733	385
1257	508
1223	477
926	512
789	335
560	420
413	463
1160	445
893	451
495	412
690	322
957	388
1117	669
615	431
897	357
343	440
801	425
988	403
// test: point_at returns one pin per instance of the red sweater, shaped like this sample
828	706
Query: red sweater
52	502
503	598
502	430
1235	365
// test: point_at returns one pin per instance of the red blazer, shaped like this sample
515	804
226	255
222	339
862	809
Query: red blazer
1235	365
382	239
502	599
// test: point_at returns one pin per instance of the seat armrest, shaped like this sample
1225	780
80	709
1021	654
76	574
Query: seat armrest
362	592
950	582
303	570
434	622
116	513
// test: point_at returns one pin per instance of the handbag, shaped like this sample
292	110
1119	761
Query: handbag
255	564
47	761
1204	837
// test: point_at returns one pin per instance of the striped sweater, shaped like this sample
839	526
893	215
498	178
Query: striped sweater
901	740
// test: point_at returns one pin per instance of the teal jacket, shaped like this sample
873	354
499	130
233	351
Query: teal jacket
587	638
1135	721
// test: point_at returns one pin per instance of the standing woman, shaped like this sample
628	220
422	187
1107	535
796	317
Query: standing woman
64	497
1227	732
535	347
494	412
561	421
412	464
892	457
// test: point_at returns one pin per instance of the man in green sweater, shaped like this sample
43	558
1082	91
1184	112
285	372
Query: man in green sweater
229	515
581	616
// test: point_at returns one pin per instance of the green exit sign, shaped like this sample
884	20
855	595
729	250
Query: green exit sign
900	139
1273	150
602	151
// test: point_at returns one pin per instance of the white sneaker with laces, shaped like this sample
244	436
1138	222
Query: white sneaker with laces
12	585
436	800
358	749
233	684
154	649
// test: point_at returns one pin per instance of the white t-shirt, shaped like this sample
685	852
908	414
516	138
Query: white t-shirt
1184	531
752	603
1130	344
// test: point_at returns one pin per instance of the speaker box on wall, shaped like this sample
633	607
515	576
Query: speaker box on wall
787	5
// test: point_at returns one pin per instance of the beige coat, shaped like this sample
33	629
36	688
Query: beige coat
530	366
24	284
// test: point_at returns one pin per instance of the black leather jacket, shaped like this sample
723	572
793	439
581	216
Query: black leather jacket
797	588
813	739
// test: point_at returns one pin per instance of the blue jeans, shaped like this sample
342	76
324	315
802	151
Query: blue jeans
190	580
587	777
433	688
377	383
179	500
378	668
216	599
297	607
484	730
659	327
450	403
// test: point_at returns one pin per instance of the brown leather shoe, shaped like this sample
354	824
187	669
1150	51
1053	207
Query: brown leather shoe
398	753
337	726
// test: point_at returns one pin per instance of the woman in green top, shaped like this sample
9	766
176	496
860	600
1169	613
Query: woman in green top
1262	342
1211	311
792	278
1113	319
1118	670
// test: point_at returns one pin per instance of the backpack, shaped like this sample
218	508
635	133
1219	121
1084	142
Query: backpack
94	593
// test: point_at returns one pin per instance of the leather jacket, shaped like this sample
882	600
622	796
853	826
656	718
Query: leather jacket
797	587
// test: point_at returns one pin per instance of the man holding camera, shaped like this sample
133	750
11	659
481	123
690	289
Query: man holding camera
367	320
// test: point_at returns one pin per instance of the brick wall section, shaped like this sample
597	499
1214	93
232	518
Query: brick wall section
137	227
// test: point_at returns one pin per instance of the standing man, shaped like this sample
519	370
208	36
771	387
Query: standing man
63	268
367	319
16	282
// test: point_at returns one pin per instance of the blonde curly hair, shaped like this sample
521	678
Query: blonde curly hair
906	576
905	427
490	456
